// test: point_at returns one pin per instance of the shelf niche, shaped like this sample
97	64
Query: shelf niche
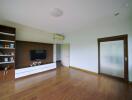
7	52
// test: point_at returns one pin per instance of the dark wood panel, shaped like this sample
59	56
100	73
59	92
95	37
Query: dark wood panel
66	84
23	53
7	29
2	75
112	38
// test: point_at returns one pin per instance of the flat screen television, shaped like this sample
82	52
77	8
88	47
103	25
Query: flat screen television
38	54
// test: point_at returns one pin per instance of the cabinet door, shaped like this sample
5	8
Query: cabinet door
2	75
10	74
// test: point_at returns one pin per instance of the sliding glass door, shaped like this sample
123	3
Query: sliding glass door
112	58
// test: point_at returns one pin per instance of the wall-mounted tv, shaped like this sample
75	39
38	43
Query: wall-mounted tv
38	54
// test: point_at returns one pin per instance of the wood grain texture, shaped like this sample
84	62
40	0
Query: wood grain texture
8	75
23	53
65	84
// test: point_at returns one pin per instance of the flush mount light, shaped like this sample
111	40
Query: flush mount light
56	12
116	13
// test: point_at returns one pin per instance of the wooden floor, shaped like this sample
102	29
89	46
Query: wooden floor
65	84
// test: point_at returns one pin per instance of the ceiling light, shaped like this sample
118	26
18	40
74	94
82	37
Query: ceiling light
56	12
116	13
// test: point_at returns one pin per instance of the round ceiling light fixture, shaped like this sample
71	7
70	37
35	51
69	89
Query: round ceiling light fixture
116	13
56	12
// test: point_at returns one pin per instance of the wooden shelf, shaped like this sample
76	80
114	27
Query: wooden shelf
9	34
6	55
6	62
7	48
7	41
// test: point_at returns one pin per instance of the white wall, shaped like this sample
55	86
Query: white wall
58	52
83	43
65	54
54	53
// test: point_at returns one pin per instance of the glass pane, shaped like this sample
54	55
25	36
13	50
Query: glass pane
112	58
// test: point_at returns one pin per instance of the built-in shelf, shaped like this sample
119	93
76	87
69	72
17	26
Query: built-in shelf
7	51
6	41
6	55
6	48
7	62
9	34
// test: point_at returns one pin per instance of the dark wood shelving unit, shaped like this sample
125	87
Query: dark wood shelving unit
7	52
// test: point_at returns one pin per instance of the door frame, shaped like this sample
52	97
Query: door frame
116	38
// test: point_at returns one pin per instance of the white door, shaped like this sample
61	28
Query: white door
65	54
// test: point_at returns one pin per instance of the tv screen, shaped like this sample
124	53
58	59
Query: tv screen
37	54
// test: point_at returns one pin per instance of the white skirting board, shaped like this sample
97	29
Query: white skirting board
33	70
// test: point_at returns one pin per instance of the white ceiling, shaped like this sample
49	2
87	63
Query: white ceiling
76	13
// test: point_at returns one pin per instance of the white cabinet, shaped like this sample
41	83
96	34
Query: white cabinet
33	70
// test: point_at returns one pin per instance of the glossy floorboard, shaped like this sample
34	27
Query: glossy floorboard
65	84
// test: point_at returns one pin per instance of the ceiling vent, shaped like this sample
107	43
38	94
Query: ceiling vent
59	37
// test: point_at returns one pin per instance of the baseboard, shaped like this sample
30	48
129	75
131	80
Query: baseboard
84	70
